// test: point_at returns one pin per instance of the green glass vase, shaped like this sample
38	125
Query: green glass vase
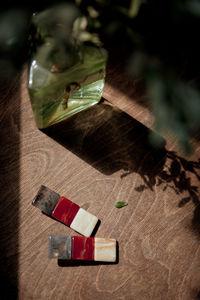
56	96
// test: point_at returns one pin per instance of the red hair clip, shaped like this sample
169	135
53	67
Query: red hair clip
65	211
82	248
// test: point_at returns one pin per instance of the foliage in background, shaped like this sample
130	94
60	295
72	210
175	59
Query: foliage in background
161	42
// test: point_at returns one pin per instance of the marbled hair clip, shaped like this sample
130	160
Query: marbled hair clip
65	211
82	248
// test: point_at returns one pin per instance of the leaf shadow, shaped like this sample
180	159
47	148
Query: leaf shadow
112	141
176	175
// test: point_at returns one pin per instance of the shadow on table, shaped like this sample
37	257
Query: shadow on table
78	263
111	141
9	181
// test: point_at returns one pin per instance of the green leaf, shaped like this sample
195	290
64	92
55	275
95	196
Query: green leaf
120	204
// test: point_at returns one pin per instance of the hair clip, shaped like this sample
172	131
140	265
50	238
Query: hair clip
82	248
65	211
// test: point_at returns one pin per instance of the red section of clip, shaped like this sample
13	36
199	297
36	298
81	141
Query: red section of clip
65	211
82	248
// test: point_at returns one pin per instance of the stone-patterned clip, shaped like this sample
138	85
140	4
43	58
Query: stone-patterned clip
65	211
82	248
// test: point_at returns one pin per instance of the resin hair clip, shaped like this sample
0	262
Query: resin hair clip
65	211
82	248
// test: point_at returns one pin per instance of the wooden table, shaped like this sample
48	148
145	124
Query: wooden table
96	159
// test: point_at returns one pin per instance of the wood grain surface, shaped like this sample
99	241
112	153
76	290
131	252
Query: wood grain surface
97	158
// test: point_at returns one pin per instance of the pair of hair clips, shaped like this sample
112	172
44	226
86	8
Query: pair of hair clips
74	247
